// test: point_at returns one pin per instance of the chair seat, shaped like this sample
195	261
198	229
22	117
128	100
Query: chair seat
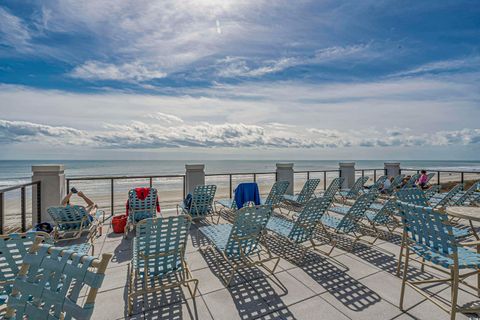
227	203
330	221
217	234
460	233
376	206
290	198
81	248
340	209
466	258
344	192
280	226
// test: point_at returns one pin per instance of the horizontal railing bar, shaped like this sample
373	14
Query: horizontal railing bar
124	177
18	186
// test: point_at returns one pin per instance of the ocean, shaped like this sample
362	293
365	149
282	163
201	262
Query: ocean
14	172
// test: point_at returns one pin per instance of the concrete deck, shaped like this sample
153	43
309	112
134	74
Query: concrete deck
317	288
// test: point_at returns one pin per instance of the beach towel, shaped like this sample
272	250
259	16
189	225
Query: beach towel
246	192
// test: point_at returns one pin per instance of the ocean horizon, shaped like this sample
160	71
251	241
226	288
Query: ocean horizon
14	172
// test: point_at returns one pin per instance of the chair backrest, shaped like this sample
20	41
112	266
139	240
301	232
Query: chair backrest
412	195
430	176
411	182
450	194
51	282
428	226
384	215
160	243
333	187
62	215
247	230
276	193
430	192
356	212
202	200
305	225
13	248
140	209
379	182
396	182
460	201
307	190
357	186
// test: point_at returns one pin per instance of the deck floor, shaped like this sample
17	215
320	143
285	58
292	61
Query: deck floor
317	288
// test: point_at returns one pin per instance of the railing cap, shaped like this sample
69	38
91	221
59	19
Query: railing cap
285	165
195	167
47	168
347	164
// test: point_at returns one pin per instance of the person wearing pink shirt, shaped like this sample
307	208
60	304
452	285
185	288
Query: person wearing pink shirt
423	180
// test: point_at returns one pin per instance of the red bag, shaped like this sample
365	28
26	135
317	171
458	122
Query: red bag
119	223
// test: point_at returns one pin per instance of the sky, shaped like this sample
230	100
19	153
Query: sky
239	79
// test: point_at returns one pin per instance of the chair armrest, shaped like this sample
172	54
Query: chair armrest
469	243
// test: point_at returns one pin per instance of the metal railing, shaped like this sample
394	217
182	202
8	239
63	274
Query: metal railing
23	204
439	173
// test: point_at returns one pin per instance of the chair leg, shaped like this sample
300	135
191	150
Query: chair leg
455	281
399	264
404	278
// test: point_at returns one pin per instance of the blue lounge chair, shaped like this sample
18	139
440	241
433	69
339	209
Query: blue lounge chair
230	205
396	182
430	236
275	196
140	209
295	202
302	229
158	253
462	197
239	243
353	192
70	222
384	216
350	222
443	199
201	205
54	283
375	186
333	188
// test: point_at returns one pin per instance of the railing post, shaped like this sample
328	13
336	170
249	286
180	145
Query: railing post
52	177
230	186
374	175
438	177
112	197
347	172
254	177
284	172
324	180
462	177
392	169
151	182
194	176
2	212
23	209
39	201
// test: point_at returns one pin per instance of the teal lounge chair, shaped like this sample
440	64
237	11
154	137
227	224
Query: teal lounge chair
353	192
348	223
295	202
302	229
462	197
202	202
429	235
239	243
276	194
54	283
411	182
332	189
397	181
385	216
70	222
375	186
140	209
444	199
158	260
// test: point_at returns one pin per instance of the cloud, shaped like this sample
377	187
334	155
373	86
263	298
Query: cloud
164	117
141	135
23	131
95	70
13	32
466	64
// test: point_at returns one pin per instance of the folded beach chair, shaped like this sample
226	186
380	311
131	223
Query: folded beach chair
201	205
54	283
295	202
429	235
158	260
141	208
70	222
302	229
239	243
348	223
353	192
332	189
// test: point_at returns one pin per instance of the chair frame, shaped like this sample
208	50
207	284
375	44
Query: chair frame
437	216
131	221
99	265
183	277
244	260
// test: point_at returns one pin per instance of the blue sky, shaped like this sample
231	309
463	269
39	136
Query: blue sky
240	79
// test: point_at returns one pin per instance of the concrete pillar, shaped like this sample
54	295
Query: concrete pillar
52	177
347	172
392	169
285	173
194	176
